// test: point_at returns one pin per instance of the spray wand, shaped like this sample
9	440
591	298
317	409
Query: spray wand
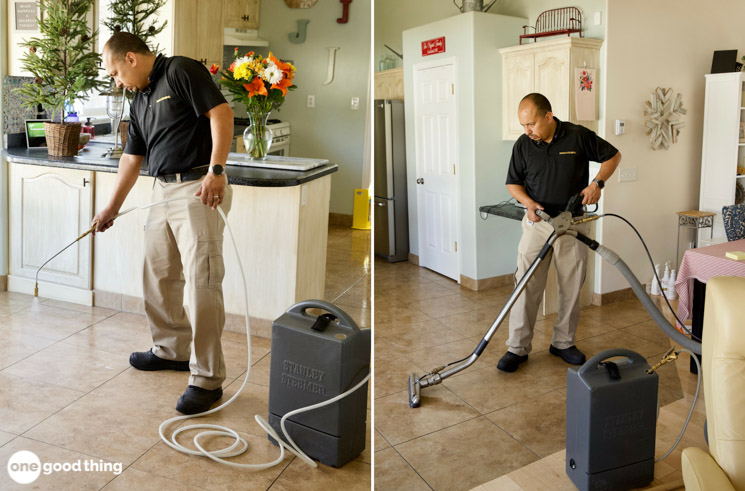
90	230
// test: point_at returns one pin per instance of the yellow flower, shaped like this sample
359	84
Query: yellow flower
242	72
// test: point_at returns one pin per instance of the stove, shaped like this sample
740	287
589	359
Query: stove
280	135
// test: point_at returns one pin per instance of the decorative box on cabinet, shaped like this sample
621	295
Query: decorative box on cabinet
548	68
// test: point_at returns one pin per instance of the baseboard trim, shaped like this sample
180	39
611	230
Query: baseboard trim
414	259
610	297
51	290
136	305
341	220
3	283
486	283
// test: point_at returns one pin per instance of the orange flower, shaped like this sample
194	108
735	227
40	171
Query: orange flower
214	68
282	85
231	68
255	87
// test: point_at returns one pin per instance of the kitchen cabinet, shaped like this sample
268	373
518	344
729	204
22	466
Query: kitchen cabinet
198	30
389	84
723	150
241	13
548	68
48	207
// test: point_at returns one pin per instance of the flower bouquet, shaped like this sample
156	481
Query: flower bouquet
261	84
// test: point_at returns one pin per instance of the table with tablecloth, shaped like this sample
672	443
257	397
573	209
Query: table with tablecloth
697	268
702	264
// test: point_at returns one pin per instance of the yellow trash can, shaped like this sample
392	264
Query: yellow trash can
361	217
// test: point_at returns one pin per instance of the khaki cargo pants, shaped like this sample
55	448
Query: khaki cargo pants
570	258
183	243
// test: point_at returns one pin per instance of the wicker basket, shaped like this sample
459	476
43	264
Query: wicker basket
62	139
123	130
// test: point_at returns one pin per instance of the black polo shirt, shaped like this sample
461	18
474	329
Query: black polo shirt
553	172
167	121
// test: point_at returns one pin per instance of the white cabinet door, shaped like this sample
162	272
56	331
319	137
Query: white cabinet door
48	209
552	80
519	80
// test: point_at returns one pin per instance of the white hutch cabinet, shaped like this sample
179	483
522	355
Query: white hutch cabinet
548	68
723	150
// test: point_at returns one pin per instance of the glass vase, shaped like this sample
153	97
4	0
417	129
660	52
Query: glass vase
257	137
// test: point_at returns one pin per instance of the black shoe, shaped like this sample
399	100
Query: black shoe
571	355
510	361
197	400
146	360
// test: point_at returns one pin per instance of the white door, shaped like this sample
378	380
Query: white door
436	165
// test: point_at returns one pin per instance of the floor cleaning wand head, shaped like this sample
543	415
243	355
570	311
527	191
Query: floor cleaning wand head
414	387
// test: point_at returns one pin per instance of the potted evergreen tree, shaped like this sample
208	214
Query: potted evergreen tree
133	16
65	66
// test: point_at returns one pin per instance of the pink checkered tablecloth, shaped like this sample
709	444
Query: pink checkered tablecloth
702	264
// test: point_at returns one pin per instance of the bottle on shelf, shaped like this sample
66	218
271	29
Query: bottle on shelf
89	128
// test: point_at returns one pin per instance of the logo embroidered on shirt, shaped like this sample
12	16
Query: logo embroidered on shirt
163	98
568	153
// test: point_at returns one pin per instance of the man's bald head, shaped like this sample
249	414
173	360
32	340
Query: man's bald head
127	59
539	101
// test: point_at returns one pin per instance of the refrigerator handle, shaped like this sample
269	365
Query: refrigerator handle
388	149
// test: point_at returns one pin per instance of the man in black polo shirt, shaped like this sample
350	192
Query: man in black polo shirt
182	124
550	164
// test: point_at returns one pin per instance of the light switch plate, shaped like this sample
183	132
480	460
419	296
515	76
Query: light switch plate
311	101
355	103
627	174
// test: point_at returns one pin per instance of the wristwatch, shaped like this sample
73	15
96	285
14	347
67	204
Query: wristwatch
599	182
217	170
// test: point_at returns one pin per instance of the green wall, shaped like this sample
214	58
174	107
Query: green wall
331	130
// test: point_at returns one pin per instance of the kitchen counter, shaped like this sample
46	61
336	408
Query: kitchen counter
90	158
279	218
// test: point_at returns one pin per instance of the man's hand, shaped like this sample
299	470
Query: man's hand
212	190
591	194
104	219
532	207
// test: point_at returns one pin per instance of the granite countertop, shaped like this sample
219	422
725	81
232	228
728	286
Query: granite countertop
91	158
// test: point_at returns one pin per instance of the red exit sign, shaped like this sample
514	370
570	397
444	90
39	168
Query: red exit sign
433	46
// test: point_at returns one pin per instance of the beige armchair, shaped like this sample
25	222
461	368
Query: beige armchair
723	371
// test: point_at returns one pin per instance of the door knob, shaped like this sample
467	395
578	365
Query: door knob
420	180
379	204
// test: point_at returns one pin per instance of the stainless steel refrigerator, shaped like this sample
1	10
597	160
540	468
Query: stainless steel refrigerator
391	206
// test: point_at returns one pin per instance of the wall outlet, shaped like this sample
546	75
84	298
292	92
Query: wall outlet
355	103
627	174
311	101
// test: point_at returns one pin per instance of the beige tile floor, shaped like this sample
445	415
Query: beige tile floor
481	423
67	392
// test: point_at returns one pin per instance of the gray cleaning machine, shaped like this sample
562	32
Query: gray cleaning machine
611	415
315	358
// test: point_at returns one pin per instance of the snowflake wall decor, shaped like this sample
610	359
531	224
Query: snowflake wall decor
662	118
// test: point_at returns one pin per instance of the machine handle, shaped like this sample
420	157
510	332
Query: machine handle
593	362
344	319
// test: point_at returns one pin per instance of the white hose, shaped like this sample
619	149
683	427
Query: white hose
232	450
693	405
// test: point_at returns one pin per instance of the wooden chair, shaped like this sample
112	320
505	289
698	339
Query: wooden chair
565	20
